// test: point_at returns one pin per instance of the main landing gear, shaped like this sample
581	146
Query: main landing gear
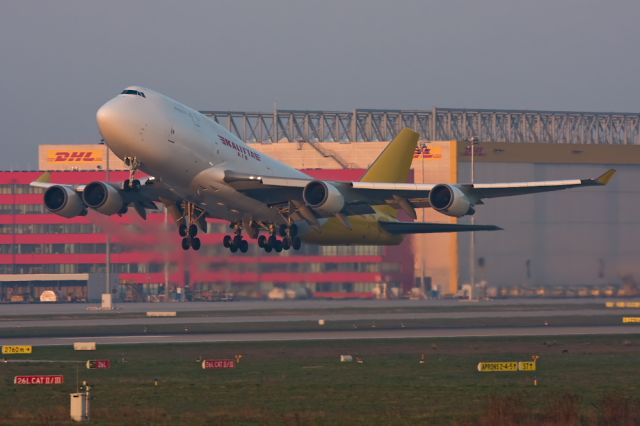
235	242
269	242
132	184
188	228
289	239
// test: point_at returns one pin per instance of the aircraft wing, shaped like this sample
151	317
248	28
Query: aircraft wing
361	196
141	200
432	228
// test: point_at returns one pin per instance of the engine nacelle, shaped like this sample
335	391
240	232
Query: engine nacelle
450	200
64	201
103	198
323	197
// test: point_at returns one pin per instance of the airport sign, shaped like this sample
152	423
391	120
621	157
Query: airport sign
208	364
485	367
629	320
622	304
39	380
98	364
16	349
527	366
84	346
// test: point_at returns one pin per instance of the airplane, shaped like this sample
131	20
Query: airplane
199	169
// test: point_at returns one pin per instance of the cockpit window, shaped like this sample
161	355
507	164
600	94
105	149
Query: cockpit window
132	92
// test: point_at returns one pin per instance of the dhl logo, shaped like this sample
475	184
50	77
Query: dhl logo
427	152
73	156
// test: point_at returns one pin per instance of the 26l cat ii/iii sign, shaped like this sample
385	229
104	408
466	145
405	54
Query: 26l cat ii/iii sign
57	379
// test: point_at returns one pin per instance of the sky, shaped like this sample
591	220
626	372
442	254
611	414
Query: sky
60	60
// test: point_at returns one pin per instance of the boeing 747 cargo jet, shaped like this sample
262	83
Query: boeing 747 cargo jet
199	169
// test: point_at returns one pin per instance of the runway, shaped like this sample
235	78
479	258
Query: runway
259	305
329	335
310	317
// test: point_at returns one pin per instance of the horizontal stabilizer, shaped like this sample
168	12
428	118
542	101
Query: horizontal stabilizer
432	228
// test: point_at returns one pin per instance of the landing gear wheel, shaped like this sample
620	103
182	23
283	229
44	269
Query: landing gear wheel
268	248
182	230
233	247
286	243
296	243
244	246
186	243
262	240
226	241
293	230
237	240
272	241
193	230
195	243
282	230
278	246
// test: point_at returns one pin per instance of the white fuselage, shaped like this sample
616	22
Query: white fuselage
188	153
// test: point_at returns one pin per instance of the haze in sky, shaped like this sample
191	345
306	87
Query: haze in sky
60	60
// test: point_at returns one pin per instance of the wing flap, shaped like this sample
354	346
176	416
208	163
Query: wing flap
432	228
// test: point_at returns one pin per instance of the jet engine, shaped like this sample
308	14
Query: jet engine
64	201
103	198
450	200
323	197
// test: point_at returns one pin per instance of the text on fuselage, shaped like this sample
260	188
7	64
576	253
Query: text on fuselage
242	151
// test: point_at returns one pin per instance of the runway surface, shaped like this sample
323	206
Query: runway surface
311	317
91	308
328	335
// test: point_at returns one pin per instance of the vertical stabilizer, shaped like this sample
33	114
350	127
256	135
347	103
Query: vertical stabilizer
393	164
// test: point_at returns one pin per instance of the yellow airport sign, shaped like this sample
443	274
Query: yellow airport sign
485	367
527	366
16	349
622	304
629	320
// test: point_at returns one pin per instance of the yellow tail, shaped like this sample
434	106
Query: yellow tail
393	164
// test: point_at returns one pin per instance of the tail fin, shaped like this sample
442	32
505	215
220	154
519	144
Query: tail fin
393	163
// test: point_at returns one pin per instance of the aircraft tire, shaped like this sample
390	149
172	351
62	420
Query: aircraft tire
226	241
244	246
186	243
195	243
296	243
286	243
267	247
278	246
182	230
293	230
233	247
282	230
272	241
262	240
193	230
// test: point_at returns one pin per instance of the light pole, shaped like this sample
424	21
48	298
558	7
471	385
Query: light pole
472	241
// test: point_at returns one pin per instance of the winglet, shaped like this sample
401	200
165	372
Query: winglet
44	178
604	178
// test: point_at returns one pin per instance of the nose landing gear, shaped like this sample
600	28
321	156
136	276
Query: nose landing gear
132	184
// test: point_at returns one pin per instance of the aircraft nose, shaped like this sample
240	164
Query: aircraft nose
105	116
